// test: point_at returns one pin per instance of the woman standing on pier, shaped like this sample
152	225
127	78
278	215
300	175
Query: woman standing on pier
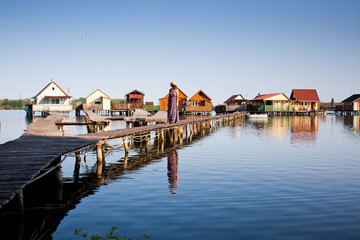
173	102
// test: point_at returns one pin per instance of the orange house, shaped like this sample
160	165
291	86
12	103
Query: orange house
182	101
200	102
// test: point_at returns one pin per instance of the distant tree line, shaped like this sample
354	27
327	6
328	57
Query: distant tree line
13	104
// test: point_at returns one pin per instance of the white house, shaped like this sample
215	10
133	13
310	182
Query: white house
100	99
52	99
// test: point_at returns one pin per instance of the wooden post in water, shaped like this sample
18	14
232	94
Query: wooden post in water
180	135
20	200
126	159
126	145
77	164
59	181
147	142
99	155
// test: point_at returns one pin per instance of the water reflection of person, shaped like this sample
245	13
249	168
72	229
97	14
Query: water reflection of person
173	158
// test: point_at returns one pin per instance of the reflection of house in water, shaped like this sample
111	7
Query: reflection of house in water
352	122
304	129
276	128
301	128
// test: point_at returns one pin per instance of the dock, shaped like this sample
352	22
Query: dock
39	150
96	122
25	158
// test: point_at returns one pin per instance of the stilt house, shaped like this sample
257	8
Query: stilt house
276	102
98	100
51	99
135	99
305	100
350	104
199	103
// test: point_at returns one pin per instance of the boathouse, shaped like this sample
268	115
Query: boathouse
200	103
236	99
98	100
234	103
182	101
276	102
50	99
350	105
135	99
305	100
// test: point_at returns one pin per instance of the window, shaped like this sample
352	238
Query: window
195	103
52	101
53	89
97	101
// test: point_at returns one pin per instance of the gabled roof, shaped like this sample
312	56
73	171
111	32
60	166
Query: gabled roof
265	96
304	95
233	97
135	92
52	82
204	94
352	98
167	95
106	96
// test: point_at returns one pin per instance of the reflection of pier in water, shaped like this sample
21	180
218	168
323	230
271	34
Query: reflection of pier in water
47	202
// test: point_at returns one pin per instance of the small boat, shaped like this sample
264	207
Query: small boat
255	115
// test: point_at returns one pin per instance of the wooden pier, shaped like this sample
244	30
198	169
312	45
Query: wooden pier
25	158
46	126
38	151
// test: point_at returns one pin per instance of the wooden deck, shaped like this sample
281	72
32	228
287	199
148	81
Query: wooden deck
46	126
41	146
25	158
93	117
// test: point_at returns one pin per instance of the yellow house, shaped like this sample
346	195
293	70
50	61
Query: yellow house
305	99
277	102
98	100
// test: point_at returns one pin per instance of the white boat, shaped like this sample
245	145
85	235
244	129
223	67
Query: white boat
255	115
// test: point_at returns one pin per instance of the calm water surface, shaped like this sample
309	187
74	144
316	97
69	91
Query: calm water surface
280	178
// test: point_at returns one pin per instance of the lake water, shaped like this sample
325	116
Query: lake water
280	178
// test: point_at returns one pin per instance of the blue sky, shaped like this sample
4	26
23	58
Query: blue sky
220	46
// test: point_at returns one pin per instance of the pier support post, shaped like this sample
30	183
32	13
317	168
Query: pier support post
126	159
77	164
20	200
126	145
147	143
100	158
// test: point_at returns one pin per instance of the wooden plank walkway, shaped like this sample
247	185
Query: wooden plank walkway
128	132
46	126
93	117
23	159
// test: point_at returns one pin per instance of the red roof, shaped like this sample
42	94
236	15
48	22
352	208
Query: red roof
265	96
304	95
